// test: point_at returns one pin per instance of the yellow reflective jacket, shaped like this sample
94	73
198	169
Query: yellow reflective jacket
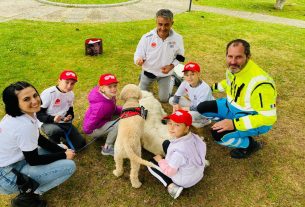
251	89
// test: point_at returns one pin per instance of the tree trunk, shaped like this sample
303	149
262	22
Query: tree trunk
279	4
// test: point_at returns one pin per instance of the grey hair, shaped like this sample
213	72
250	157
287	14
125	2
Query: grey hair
165	13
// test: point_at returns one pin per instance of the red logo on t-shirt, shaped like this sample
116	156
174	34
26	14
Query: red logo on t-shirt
57	102
153	44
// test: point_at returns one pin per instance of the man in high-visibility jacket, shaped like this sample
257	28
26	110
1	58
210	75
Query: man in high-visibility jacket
249	108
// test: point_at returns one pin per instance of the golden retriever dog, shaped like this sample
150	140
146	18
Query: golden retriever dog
130	131
154	131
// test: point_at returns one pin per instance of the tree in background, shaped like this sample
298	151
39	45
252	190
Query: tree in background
279	4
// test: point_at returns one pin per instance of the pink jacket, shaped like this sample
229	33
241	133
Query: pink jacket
100	111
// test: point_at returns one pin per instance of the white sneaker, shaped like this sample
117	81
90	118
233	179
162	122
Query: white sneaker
174	190
108	151
201	123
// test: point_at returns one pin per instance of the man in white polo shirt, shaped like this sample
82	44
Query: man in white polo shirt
157	52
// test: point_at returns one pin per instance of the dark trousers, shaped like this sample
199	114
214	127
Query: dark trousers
57	131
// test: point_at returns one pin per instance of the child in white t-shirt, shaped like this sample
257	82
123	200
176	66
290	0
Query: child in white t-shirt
57	113
190	93
184	162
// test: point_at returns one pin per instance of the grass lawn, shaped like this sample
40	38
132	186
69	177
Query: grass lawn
294	9
89	1
38	51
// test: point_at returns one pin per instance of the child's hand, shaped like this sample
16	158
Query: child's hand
185	108
176	107
158	158
67	118
57	118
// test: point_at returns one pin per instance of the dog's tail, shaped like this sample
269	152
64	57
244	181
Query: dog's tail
133	156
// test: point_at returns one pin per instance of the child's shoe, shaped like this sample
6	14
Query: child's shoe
174	190
109	150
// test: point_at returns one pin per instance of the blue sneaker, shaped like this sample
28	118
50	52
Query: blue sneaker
109	150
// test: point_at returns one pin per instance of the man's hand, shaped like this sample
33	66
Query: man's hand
57	118
224	125
67	118
140	61
158	158
167	68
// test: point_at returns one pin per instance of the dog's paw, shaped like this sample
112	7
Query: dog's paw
136	184
117	173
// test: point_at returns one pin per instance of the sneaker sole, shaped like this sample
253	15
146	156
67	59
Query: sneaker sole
260	146
178	192
105	153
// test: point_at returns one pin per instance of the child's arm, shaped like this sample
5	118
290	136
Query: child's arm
44	117
118	110
69	115
180	92
170	165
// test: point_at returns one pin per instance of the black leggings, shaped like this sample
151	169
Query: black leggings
156	173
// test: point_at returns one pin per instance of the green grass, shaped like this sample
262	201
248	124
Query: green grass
38	51
294	9
89	1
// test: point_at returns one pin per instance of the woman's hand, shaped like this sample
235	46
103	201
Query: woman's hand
70	154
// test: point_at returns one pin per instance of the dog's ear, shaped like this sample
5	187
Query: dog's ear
123	94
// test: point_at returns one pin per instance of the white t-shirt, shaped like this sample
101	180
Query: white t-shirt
17	134
158	53
56	102
196	95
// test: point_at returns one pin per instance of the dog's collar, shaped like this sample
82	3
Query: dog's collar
128	112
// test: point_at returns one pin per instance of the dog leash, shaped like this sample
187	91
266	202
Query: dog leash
68	138
140	111
96	138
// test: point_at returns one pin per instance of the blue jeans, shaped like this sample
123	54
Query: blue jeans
235	138
48	176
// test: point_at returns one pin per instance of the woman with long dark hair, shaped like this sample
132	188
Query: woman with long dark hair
29	163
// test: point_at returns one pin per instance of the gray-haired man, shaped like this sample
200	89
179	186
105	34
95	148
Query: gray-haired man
156	53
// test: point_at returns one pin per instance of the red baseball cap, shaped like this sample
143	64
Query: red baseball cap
68	74
191	66
107	79
181	116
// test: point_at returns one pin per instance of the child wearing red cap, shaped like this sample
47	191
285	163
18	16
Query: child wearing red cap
57	113
184	161
99	117
190	93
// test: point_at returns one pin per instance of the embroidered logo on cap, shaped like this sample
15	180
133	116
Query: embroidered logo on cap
190	66
107	77
70	74
178	113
